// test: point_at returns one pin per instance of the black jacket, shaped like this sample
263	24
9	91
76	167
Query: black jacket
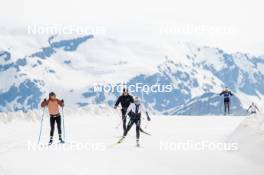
227	95
124	100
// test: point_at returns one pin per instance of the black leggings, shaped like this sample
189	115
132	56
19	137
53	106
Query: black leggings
227	107
137	122
54	119
124	118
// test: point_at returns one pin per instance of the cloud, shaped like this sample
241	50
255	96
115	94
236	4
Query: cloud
127	16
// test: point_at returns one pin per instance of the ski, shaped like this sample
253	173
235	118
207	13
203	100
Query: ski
118	142
50	144
121	140
61	142
44	145
144	132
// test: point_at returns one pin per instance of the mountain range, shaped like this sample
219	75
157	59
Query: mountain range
73	66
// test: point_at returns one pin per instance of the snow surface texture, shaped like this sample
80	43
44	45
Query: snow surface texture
97	126
249	134
32	66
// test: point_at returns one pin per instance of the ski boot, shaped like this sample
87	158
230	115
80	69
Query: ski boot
51	141
60	139
138	145
121	140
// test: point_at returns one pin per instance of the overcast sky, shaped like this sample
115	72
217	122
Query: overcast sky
234	25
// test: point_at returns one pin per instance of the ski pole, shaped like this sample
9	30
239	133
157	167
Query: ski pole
41	124
119	123
63	125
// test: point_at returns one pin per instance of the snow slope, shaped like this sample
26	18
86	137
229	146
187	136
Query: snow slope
97	128
250	134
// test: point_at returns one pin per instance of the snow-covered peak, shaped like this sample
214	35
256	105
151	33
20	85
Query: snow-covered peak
71	66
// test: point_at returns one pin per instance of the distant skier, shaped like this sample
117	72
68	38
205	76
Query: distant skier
253	108
134	111
53	105
227	93
125	99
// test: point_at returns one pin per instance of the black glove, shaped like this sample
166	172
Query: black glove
148	118
62	103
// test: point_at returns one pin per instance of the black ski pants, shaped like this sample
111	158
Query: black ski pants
53	119
227	106
134	120
124	110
